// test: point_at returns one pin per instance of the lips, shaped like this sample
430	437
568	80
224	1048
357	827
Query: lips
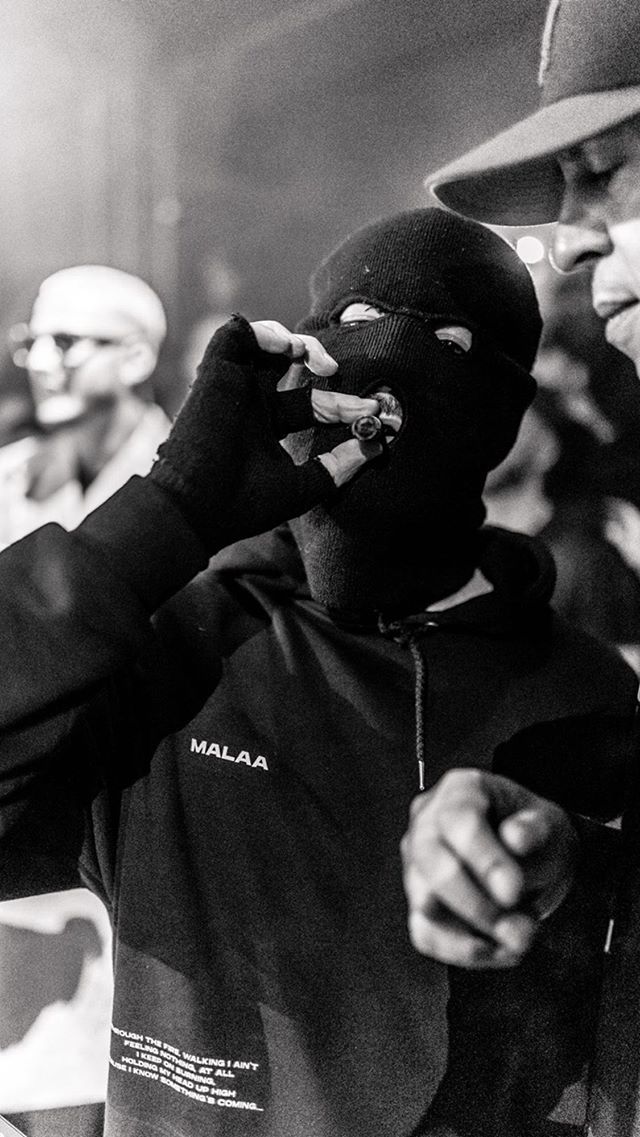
619	308
622	324
607	301
619	313
610	307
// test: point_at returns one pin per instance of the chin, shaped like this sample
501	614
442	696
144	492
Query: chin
60	409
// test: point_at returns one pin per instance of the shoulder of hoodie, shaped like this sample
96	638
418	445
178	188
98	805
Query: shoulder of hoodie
224	607
246	582
242	585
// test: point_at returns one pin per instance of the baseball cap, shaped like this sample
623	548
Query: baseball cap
590	81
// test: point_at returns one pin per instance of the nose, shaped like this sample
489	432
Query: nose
44	362
577	244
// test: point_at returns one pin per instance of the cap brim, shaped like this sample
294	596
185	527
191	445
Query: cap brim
514	179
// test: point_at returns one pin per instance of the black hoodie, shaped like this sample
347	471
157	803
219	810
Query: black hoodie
233	780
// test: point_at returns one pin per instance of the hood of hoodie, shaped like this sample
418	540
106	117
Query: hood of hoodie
520	569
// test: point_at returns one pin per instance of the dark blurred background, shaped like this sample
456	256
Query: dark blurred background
154	135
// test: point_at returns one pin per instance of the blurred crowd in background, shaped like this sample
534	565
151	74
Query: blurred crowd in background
164	166
573	477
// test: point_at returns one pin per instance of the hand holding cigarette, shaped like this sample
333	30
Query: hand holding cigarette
327	406
223	463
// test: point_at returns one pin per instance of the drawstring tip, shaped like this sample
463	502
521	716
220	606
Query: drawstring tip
421	774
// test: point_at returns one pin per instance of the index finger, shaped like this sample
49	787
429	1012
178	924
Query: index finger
301	349
467	831
526	831
334	406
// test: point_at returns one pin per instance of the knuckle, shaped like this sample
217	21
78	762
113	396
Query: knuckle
419	803
444	875
416	887
467	825
455	948
310	342
421	835
422	934
460	781
478	953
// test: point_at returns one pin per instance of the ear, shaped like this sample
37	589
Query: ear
138	362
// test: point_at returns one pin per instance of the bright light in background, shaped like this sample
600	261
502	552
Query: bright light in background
530	250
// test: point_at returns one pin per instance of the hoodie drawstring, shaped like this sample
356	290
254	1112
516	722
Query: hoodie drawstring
420	664
411	639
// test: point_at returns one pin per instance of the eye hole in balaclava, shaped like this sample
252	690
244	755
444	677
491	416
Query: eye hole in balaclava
457	338
457	331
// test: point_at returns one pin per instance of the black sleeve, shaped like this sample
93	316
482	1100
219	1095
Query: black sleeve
76	606
521	1040
582	762
79	663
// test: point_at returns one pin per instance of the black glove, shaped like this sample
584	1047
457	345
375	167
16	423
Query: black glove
223	463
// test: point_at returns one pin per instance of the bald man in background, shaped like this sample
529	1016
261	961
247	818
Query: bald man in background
89	350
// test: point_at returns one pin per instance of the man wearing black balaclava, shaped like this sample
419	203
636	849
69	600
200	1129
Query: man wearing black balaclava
449	326
226	754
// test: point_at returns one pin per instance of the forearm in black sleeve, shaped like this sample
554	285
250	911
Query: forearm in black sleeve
76	606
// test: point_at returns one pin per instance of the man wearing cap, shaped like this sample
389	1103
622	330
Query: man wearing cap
226	754
575	161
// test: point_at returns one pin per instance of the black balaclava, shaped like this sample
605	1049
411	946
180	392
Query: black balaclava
403	533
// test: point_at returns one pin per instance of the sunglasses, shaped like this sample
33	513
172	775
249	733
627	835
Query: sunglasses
63	342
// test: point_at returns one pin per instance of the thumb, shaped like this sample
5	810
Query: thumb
344	461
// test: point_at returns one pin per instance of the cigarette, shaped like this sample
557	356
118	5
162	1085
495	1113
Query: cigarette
366	428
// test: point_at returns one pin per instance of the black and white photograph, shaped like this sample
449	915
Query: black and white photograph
320	568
